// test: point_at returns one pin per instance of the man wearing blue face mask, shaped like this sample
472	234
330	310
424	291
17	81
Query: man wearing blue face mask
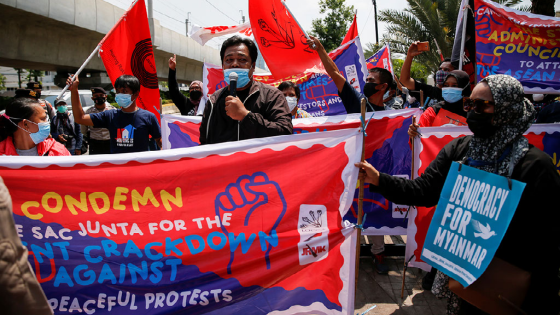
65	130
256	111
378	82
130	127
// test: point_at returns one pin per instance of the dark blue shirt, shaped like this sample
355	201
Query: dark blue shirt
351	99
129	131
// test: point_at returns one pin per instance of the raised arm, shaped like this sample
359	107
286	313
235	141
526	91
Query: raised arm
79	116
406	80
177	97
328	63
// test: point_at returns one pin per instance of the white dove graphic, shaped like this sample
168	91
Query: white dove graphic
485	231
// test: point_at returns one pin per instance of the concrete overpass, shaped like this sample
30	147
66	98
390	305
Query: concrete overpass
58	35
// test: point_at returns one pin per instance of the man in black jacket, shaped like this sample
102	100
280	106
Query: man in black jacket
187	106
258	110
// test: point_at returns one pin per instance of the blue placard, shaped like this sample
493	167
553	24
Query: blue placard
470	221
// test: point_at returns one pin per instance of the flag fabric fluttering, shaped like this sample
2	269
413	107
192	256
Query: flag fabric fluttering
203	34
352	32
281	41
381	59
127	49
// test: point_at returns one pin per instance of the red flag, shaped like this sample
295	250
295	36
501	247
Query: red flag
282	43
352	32
127	49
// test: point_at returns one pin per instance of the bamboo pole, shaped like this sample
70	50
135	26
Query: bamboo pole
361	196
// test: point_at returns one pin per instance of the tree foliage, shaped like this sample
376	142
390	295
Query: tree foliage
331	29
2	82
417	70
19	71
35	75
372	48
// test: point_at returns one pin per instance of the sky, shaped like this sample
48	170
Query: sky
173	13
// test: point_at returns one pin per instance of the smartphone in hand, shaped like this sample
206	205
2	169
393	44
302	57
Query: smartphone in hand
423	46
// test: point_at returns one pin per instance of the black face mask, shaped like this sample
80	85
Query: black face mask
38	95
195	95
481	124
370	89
99	100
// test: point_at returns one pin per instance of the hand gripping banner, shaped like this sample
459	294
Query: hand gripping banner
386	149
546	137
217	229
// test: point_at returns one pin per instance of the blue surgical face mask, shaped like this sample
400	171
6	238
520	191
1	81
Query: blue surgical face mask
62	109
452	94
242	76
42	134
124	100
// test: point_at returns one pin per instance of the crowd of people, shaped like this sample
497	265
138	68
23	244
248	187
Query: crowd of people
496	110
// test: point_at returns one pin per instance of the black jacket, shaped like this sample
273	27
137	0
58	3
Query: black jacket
532	239
269	116
184	104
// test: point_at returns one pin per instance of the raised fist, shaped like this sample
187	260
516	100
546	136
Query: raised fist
259	205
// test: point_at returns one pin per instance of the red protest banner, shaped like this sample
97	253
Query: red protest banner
282	43
127	49
163	228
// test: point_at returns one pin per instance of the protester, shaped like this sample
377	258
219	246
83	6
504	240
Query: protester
450	110
258	110
378	82
24	130
434	93
498	115
391	99
187	106
292	93
549	108
38	88
130	126
65	130
99	139
411	98
20	292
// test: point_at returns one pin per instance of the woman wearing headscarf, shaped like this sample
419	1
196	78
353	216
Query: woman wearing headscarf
25	130
188	106
498	115
450	110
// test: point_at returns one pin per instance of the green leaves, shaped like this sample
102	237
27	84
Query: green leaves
331	29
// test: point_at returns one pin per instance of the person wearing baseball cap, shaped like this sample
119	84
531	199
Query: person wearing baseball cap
99	139
65	130
27	93
37	87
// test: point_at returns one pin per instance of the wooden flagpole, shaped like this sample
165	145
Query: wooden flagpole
411	177
361	196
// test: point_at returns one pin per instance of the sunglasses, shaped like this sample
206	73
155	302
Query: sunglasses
478	105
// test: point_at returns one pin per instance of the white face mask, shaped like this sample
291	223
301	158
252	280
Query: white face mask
292	102
538	97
